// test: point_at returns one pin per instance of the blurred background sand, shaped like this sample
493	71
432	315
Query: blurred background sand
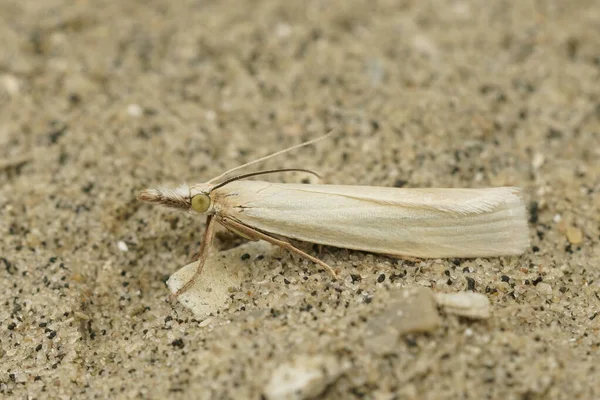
101	99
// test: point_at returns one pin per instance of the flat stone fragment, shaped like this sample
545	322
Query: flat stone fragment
408	310
222	272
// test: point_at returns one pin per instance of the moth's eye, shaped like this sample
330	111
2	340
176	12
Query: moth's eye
201	203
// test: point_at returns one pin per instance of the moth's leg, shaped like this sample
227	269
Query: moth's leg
248	231
241	234
319	249
209	233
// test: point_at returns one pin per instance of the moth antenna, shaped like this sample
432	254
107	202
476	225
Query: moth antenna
331	132
269	171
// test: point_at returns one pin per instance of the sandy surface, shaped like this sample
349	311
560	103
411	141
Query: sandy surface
99	99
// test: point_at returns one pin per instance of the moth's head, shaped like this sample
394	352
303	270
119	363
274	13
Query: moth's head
196	198
200	200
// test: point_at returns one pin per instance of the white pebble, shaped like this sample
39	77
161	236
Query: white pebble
122	246
538	160
135	110
283	30
210	115
11	84
302	378
466	304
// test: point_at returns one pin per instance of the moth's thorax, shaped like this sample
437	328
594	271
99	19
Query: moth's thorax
220	199
232	196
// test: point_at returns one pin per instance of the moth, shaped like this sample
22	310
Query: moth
402	222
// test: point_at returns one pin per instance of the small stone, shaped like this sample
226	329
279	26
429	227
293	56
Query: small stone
11	83
574	235
465	304
538	161
304	377
122	246
544	288
134	110
81	316
210	115
20	377
283	30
